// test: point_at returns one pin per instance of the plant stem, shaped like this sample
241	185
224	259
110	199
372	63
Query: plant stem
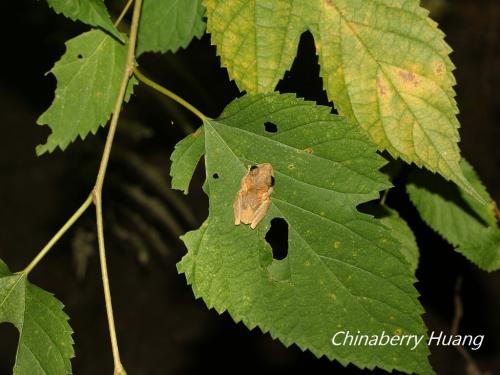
102	169
58	235
107	291
97	191
122	14
149	82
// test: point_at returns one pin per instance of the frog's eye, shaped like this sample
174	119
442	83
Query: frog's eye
253	167
272	181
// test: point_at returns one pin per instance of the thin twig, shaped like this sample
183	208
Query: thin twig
472	368
123	13
97	191
149	82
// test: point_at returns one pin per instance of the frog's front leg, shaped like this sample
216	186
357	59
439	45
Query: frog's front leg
238	207
261	211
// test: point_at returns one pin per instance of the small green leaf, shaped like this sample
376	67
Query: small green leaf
403	233
185	158
45	343
91	12
384	64
459	219
88	81
4	270
167	25
343	270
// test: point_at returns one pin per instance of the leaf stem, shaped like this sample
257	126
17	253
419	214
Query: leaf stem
58	235
97	191
123	13
149	82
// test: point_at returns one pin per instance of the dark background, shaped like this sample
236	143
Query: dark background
162	329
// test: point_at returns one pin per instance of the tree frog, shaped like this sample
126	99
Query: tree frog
254	197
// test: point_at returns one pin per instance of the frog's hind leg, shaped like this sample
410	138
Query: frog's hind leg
260	213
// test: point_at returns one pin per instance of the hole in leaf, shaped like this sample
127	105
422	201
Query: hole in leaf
272	180
270	127
9	337
253	167
215	176
277	237
80	56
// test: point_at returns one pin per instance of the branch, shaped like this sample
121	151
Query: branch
123	13
97	191
96	194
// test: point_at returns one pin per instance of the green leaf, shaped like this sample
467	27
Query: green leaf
459	219
185	158
402	232
167	25
91	12
88	81
4	270
384	64
399	230
45	343
343	270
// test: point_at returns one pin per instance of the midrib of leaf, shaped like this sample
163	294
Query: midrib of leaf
32	355
20	277
29	349
34	296
224	143
21	331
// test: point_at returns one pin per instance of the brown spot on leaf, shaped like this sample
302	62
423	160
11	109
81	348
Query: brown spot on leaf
328	3
407	76
309	150
439	68
381	88
332	296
